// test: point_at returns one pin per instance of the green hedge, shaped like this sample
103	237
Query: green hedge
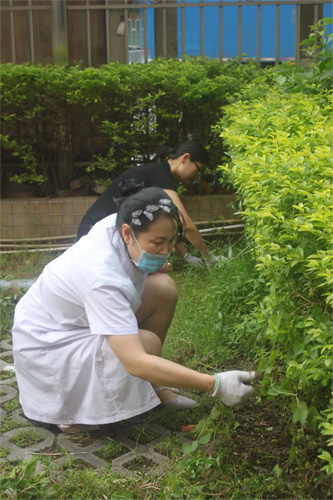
281	148
112	116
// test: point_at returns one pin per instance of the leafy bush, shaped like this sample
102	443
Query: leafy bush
282	168
110	116
315	76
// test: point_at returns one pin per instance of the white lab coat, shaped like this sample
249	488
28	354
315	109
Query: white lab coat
66	371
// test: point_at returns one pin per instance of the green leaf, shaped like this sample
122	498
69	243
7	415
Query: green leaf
306	41
259	79
281	80
326	456
190	447
200	425
205	438
215	413
277	470
300	412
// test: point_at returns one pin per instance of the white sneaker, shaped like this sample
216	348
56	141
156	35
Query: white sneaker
180	402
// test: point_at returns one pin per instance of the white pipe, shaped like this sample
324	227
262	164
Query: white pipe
44	238
51	249
221	228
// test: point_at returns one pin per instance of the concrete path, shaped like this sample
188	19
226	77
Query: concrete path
25	284
139	437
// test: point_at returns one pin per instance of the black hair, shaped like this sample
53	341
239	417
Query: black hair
196	151
127	188
140	207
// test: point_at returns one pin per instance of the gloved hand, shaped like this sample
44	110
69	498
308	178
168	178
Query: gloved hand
211	260
234	387
194	261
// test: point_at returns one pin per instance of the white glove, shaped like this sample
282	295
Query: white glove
234	387
194	261
211	260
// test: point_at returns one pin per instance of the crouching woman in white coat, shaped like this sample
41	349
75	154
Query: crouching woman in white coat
88	335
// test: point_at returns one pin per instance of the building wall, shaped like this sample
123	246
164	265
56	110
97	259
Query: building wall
40	217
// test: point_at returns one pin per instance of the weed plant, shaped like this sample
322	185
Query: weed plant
9	423
144	435
11	405
111	451
171	447
26	437
8	301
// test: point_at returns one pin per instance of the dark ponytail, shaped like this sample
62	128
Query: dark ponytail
127	188
163	154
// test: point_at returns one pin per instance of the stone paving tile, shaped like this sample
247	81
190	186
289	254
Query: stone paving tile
80	447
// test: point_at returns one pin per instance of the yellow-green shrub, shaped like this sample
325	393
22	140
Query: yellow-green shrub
281	148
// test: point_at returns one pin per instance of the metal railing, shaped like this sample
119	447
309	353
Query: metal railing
114	43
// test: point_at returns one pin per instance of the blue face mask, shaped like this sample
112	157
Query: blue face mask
150	262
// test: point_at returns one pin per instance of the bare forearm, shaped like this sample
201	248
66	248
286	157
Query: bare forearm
192	232
194	237
181	249
161	371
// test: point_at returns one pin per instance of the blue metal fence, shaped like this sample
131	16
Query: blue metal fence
124	30
281	18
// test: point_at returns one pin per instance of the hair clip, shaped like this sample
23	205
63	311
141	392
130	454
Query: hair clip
152	208
149	215
164	201
149	211
164	204
135	216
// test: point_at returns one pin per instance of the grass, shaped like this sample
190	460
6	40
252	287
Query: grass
24	265
212	325
26	437
170	447
111	451
144	435
11	405
6	374
250	452
8	423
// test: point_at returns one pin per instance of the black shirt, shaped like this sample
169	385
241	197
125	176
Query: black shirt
151	174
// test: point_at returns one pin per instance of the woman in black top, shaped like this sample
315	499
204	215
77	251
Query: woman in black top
183	165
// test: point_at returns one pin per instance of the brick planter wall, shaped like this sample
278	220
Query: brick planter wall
43	217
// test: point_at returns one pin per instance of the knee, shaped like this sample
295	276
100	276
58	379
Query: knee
152	344
165	287
169	288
